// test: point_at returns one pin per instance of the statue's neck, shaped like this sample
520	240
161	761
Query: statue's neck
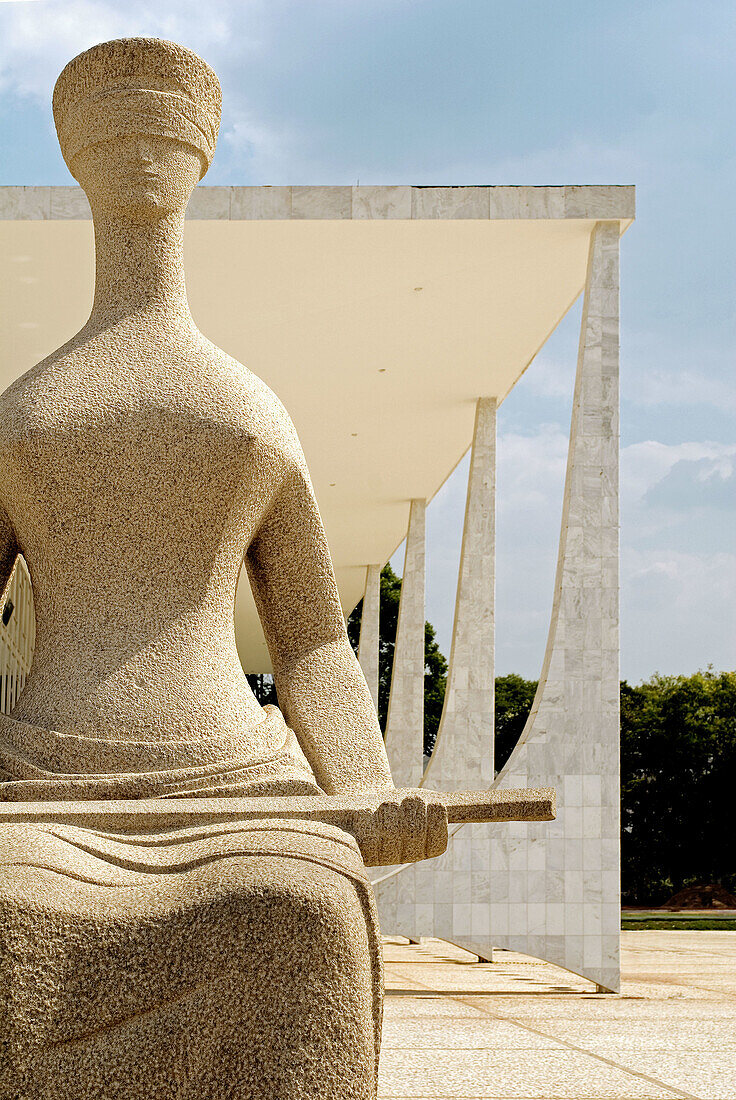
139	271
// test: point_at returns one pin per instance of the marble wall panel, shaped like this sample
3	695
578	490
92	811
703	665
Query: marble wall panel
70	203
405	722
25	203
381	202
450	202
321	202
370	629
554	888
260	203
527	202
600	202
209	203
360	202
463	755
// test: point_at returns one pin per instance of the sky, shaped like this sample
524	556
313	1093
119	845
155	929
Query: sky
481	92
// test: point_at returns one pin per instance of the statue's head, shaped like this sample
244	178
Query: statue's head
137	120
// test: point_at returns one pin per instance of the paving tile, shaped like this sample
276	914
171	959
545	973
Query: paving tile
521	1029
462	1033
583	1009
661	1034
422	1006
519	1074
707	1075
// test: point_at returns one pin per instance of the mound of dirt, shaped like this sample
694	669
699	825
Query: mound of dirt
705	895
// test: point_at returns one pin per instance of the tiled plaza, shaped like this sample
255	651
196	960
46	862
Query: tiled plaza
520	1028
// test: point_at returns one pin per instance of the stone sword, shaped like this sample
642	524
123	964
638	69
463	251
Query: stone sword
463	808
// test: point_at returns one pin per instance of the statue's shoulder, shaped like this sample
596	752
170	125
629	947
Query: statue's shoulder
26	384
248	394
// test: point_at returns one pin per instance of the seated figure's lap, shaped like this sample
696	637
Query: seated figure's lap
205	983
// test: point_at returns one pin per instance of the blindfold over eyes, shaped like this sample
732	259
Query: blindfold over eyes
119	112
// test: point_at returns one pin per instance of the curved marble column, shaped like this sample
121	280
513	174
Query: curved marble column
463	752
370	629
551	890
554	889
17	636
431	899
405	722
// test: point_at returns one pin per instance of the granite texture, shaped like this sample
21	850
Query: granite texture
139	467
139	86
355	813
193	963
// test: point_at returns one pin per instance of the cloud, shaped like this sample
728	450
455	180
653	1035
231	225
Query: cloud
647	464
531	470
37	42
548	376
677	601
695	485
255	152
530	478
681	387
677	611
531	481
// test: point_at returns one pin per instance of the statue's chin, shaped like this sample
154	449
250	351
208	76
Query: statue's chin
143	204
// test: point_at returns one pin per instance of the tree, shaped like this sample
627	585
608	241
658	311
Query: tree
435	684
435	668
435	665
678	765
263	687
514	698
514	695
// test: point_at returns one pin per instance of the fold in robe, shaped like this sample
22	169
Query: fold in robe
211	961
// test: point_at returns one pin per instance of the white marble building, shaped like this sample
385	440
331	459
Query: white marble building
393	321
551	891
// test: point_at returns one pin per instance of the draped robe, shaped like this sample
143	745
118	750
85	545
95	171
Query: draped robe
222	960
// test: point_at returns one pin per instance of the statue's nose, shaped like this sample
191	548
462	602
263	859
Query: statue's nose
143	149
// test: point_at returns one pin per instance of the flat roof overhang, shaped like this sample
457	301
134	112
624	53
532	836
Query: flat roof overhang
377	314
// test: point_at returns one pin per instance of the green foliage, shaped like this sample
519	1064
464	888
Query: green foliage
514	698
693	924
263	687
435	682
514	695
678	776
435	665
678	759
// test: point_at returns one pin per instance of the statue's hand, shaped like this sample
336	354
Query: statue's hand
402	826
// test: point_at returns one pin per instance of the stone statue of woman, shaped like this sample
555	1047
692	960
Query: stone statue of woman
139	467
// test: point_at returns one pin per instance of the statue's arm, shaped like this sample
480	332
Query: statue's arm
9	551
320	685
